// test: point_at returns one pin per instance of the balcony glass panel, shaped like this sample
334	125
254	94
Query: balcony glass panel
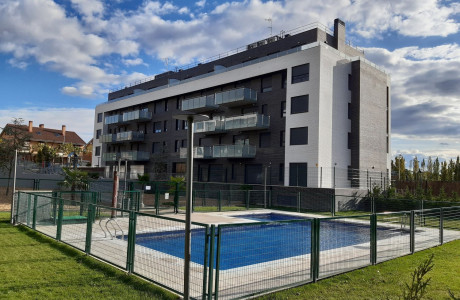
106	138
135	155
199	104
113	119
137	115
129	136
247	122
221	151
236	97
110	156
209	126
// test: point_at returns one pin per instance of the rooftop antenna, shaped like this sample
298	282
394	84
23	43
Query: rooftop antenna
271	25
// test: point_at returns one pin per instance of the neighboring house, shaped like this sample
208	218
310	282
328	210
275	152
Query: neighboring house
46	136
87	153
300	109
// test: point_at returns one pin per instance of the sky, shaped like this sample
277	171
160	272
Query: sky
59	59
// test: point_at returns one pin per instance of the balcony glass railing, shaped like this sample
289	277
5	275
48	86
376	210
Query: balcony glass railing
107	138
126	155
221	151
113	119
137	115
129	136
246	122
236	97
199	104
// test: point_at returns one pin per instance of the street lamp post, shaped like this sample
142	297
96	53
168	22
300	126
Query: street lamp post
190	118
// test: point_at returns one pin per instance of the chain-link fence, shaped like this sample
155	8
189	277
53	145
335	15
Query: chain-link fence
239	259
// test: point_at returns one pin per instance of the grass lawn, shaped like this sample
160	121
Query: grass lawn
33	266
386	280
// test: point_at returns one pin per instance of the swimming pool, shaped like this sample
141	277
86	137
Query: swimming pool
255	243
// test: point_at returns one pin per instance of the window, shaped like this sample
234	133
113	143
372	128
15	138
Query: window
283	80
178	103
179	167
165	126
98	133
216	173
349	111
283	109
281	173
263	109
166	105
300	73
282	138
266	84
98	151
253	174
177	124
264	140
350	80
349	140
156	147
184	125
184	143
299	104
298	174
99	117
299	136
176	145
157	127
233	171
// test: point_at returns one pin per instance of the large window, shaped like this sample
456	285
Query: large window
300	73
157	127
299	104
264	140
253	174
98	151
298	174
156	147
266	84
299	136
98	133
99	117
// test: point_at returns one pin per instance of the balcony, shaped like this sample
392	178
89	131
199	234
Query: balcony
211	126
127	136
236	97
113	119
247	122
137	115
199	104
126	155
221	151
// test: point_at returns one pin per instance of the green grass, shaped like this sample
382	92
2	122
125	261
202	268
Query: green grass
33	266
386	280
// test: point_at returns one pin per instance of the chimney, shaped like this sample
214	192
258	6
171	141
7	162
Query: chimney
63	130
41	126
339	34
31	125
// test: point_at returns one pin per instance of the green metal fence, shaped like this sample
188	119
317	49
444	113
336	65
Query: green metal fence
234	260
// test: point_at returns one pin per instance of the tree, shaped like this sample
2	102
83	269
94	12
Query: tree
45	154
14	138
75	179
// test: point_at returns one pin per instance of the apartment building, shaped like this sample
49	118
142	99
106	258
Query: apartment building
302	108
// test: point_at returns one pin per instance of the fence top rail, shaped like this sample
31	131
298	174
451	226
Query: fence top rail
346	217
267	222
170	219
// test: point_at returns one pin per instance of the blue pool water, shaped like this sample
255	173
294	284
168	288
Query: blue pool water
251	244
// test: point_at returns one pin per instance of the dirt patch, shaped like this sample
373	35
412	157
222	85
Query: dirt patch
5	207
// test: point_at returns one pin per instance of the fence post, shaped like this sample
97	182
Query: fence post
157	199
131	242
29	200
219	235
412	232
333	205
89	228
34	213
205	261
60	216
373	239
219	204
441	226
211	260
246	196
298	201
315	249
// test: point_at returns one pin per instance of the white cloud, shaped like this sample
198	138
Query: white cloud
134	62
200	3
80	120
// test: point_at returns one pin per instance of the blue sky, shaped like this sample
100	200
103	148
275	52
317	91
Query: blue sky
59	59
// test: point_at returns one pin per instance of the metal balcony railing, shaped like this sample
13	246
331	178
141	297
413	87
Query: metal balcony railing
241	123
221	151
127	136
113	119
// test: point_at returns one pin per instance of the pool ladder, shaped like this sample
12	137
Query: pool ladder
112	222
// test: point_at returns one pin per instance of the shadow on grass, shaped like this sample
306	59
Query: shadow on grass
146	290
